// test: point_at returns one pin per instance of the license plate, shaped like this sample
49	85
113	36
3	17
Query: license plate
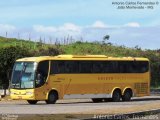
19	97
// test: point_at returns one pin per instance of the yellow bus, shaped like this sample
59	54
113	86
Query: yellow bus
97	77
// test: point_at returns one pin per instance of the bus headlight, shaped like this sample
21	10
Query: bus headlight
12	93
29	93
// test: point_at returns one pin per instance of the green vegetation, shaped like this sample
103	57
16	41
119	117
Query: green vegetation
6	42
7	59
12	49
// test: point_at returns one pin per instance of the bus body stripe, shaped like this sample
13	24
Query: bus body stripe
81	96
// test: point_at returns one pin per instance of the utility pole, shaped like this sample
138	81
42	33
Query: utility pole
50	40
6	35
68	40
18	36
29	37
35	44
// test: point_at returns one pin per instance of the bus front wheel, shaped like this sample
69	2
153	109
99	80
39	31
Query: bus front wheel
116	96
52	98
33	102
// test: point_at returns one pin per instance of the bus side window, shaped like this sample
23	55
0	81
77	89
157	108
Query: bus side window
107	67
143	66
54	67
133	67
98	67
138	67
123	67
68	66
111	67
71	67
85	67
61	67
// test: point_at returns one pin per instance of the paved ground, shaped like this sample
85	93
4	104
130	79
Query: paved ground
75	109
84	106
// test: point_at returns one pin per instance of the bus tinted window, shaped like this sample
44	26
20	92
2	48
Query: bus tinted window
85	67
133	66
142	66
111	67
43	67
71	67
54	67
59	67
64	66
98	67
124	67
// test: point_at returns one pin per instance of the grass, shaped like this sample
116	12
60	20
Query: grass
6	42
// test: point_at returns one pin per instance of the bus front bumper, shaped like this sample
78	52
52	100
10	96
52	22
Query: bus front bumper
22	94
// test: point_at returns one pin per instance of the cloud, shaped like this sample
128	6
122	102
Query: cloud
44	29
69	27
7	28
99	24
58	31
132	24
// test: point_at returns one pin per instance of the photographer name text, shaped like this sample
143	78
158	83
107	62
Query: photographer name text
129	5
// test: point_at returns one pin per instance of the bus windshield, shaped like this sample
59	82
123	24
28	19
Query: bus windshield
23	75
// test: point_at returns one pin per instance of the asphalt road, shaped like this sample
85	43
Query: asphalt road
80	106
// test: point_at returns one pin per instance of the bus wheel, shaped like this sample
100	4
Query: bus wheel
116	96
127	95
52	98
33	102
97	100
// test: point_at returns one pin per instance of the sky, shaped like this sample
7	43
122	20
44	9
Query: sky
89	20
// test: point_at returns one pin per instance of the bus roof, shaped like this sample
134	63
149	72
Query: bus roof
81	57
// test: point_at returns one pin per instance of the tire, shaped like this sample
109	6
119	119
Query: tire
97	100
32	102
127	95
52	98
116	96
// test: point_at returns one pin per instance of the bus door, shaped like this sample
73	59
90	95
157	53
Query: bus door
41	82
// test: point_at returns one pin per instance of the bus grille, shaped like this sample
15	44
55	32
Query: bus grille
141	88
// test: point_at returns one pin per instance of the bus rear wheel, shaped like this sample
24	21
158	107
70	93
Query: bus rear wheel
116	96
127	95
32	102
52	98
97	100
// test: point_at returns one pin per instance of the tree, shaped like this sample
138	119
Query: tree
8	56
105	38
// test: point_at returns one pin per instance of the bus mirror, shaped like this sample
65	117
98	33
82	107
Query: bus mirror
38	76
